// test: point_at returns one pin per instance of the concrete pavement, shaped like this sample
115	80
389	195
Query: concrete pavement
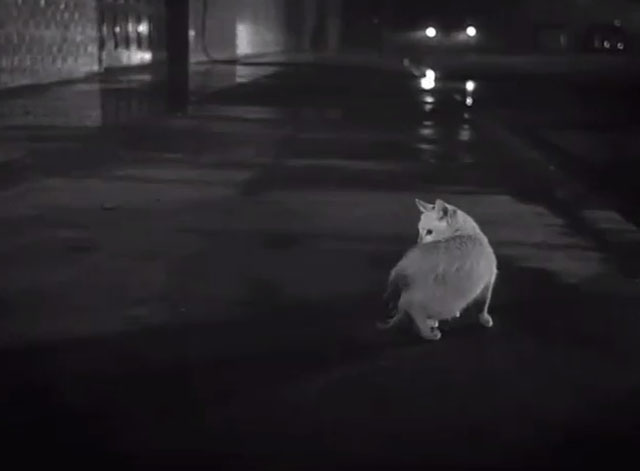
204	288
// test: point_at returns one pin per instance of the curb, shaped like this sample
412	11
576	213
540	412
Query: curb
560	161
568	189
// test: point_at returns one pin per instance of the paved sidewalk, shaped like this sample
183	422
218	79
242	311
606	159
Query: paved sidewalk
113	98
204	288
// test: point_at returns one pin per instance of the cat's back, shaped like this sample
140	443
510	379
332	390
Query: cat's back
445	275
452	253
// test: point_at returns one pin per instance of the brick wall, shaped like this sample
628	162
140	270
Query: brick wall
47	40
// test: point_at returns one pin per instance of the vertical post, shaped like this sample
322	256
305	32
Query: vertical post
310	14
334	24
177	41
387	23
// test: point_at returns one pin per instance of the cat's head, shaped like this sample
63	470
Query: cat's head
441	220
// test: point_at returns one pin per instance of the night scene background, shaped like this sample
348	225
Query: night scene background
201	202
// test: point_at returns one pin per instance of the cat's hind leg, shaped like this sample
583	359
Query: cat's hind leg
485	318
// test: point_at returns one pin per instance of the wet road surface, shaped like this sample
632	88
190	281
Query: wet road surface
204	288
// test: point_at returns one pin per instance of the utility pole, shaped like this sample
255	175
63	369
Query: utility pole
177	41
334	25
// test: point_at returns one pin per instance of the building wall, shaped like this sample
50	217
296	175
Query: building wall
131	32
47	40
227	29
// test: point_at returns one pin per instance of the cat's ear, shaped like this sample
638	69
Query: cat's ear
445	211
424	207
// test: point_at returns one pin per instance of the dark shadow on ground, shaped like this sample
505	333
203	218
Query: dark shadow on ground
309	381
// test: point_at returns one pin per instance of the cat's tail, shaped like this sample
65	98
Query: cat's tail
397	317
397	282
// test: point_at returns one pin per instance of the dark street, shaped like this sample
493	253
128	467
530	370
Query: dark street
205	287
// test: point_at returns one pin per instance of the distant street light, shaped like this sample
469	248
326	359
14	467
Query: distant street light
431	32
471	31
430	74
428	82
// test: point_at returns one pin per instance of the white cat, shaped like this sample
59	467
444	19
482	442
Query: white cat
452	265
